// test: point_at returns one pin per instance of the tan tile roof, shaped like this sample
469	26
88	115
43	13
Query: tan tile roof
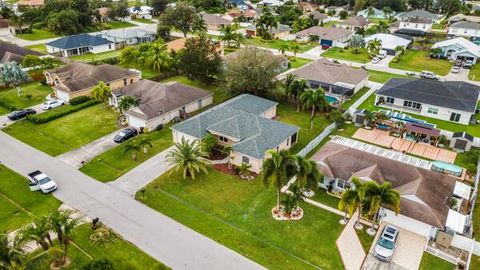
212	19
176	45
325	71
11	52
425	194
31	2
329	33
357	21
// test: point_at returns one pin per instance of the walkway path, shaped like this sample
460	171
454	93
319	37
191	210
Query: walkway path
373	88
143	174
350	248
156	234
89	151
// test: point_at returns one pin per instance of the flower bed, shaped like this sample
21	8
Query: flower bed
280	214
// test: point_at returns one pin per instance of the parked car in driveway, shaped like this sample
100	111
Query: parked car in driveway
455	69
125	135
40	181
19	114
468	64
428	75
386	244
375	60
50	104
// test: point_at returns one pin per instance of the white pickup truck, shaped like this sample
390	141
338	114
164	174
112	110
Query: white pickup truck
40	181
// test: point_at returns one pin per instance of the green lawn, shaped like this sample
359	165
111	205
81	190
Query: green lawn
383	77
323	197
296	62
32	94
19	205
38	47
122	254
146	73
88	57
37	34
276	43
475	262
237	214
113	163
365	239
473	130
432	262
147	21
68	132
354	98
111	25
474	73
219	96
476	219
420	60
347	54
438	26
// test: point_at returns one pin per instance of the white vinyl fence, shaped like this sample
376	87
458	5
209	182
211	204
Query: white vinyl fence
315	142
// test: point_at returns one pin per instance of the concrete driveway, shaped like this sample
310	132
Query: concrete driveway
408	254
460	76
4	121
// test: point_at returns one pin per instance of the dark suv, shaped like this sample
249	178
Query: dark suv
125	135
19	114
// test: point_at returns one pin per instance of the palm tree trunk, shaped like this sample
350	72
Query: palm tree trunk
278	199
311	118
359	213
65	250
49	238
373	220
298	105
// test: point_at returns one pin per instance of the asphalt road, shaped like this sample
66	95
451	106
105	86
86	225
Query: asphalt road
163	238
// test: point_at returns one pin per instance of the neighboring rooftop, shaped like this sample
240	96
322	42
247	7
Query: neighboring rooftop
279	29
425	194
328	33
466	25
239	119
463	17
317	15
31	3
176	44
212	19
357	21
77	41
467	45
10	52
389	41
421	14
126	33
233	55
155	99
457	95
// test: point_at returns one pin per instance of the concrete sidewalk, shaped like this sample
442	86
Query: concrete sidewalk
89	151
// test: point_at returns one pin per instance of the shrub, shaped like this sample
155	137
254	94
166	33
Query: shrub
79	100
6	105
59	112
100	264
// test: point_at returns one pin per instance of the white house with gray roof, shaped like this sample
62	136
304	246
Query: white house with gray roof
454	101
458	49
245	123
469	30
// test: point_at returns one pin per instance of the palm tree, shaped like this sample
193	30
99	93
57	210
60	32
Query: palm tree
295	48
283	48
39	231
370	117
230	35
308	175
56	220
11	252
378	195
228	150
67	232
313	98
126	103
275	170
12	74
133	147
199	25
144	143
156	56
188	157
374	46
244	169
356	42
101	92
298	88
356	196
287	85
208	143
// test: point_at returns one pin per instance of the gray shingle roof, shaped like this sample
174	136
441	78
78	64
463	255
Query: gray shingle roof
420	13
451	94
239	119
76	41
11	52
466	25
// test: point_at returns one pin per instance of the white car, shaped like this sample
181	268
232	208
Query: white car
50	104
428	75
375	60
386	244
455	69
40	181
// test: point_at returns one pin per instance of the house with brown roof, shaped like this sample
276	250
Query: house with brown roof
178	44
248	14
326	36
78	79
215	22
425	195
317	15
10	52
281	31
354	23
338	80
158	103
31	3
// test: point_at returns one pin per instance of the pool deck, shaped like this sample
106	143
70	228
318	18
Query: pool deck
382	138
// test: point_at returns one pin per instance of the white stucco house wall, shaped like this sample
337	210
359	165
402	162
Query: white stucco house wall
458	49
468	30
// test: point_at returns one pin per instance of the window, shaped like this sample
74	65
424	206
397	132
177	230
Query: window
109	46
390	100
455	117
343	184
432	110
245	160
131	81
223	139
124	81
410	104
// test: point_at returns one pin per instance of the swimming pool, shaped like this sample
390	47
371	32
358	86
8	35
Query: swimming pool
406	118
332	100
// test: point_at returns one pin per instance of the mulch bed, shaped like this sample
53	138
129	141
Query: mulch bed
224	169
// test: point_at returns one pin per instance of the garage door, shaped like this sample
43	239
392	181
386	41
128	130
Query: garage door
325	42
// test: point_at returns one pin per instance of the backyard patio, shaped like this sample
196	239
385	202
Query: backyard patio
382	138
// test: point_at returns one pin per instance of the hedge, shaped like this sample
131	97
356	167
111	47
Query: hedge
79	100
5	104
59	112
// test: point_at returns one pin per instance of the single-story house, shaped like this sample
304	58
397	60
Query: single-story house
142	12
458	49
282	31
79	44
245	123
334	10
317	15
420	13
271	3
390	42
354	23
425	195
282	59
454	101
248	14
336	79
307	7
327	36
78	79
158	103
177	44
10	52
462	17
468	30
125	37
30	3
215	22
375	14
414	26
461	141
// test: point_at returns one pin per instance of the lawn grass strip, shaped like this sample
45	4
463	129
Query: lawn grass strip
16	204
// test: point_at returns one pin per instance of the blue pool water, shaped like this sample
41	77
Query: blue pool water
331	99
406	118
